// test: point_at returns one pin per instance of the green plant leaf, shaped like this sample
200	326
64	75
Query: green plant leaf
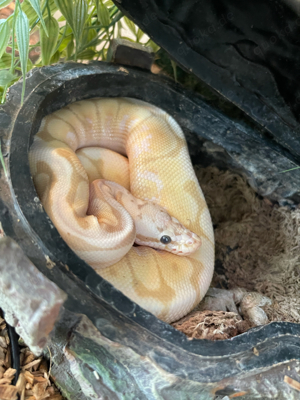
4	35
104	54
29	65
287	170
154	46
4	3
103	14
5	61
32	15
130	25
61	19
36	5
88	36
127	38
117	18
87	54
108	3
66	8
29	11
22	34
6	77
65	38
55	58
79	18
70	48
48	44
65	43
120	26
139	35
92	34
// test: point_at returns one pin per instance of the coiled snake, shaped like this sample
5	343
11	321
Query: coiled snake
142	148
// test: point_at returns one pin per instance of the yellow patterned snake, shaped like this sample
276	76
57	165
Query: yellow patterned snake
142	148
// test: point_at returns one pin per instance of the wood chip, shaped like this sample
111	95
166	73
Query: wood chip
32	363
56	396
292	382
39	391
46	376
21	383
40	379
2	354
8	392
51	390
33	381
3	342
29	377
43	366
7	359
6	381
35	367
37	373
6	337
29	357
255	351
9	373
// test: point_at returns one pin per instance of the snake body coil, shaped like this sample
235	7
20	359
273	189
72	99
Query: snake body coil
142	148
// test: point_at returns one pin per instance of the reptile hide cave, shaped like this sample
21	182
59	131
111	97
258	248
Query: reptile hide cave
102	344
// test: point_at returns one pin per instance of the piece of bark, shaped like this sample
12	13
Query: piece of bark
31	302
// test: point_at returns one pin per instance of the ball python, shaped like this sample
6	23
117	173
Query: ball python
96	163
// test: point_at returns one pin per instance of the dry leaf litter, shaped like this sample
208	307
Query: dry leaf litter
257	245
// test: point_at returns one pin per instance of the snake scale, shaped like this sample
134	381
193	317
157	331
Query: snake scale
114	171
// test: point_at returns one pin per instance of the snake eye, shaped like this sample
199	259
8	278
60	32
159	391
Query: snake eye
165	239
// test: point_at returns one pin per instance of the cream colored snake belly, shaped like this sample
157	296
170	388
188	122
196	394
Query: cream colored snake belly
143	149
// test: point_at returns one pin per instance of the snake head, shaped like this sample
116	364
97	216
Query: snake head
156	228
